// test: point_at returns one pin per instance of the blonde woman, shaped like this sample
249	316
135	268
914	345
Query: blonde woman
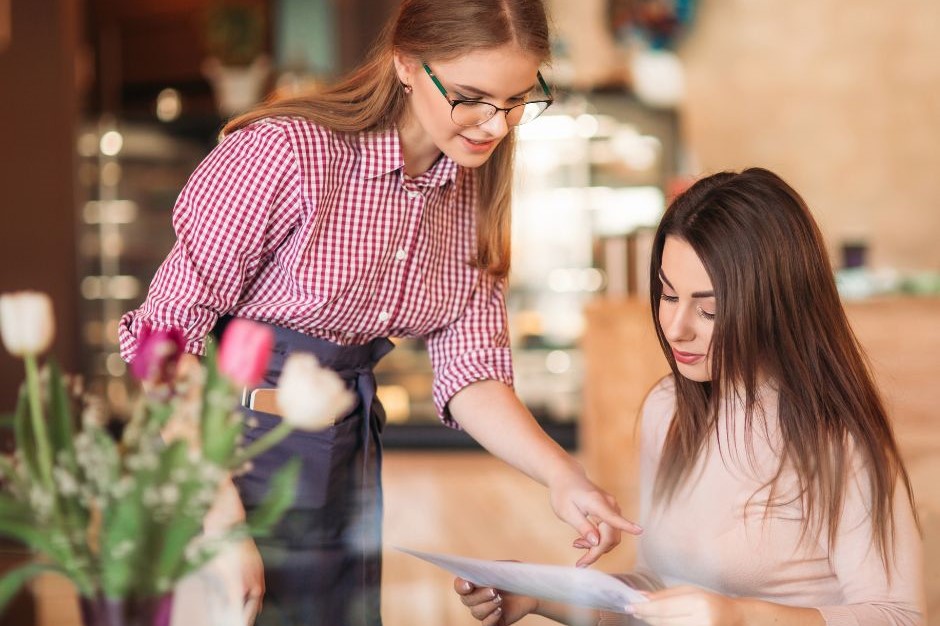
376	207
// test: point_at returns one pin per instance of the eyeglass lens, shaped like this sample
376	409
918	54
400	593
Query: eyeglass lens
476	113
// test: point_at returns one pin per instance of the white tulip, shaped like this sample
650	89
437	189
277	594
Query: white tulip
311	397
27	325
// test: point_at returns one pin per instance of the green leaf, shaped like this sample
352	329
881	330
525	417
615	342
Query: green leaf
7	469
13	580
281	493
62	437
122	533
226	434
219	431
130	537
168	551
61	422
27	532
23	433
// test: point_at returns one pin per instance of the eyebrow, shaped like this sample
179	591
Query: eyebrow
697	294
467	89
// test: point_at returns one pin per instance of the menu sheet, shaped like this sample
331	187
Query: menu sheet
571	585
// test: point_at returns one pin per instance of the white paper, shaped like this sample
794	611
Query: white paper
571	585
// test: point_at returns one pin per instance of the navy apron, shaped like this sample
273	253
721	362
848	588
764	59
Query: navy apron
323	562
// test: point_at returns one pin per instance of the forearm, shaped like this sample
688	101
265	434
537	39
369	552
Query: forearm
760	613
490	412
568	614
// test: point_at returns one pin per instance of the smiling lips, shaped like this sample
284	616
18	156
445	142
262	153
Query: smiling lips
687	358
477	146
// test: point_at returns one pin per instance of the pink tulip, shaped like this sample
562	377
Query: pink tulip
158	352
245	352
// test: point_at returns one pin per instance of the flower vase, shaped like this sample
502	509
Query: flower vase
103	611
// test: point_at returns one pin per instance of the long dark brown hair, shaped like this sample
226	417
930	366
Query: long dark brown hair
371	97
778	318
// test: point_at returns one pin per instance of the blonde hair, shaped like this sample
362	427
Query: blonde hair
371	97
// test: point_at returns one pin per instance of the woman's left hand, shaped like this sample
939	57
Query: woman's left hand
688	606
591	511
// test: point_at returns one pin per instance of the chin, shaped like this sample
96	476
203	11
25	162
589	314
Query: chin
695	373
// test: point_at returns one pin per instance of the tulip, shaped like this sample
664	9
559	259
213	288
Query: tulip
27	324
311	397
245	352
158	352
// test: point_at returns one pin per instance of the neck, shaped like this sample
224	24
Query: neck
417	148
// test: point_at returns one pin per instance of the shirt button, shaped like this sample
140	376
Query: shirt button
401	254
383	316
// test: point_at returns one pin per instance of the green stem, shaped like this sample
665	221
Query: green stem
271	439
45	459
39	423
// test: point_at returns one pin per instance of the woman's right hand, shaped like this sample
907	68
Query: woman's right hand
246	577
252	574
493	607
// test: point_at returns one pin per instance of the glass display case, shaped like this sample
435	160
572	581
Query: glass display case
130	173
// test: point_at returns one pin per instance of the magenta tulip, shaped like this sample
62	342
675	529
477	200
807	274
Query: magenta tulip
245	352
158	352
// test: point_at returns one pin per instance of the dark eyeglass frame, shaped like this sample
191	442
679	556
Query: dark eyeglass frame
454	102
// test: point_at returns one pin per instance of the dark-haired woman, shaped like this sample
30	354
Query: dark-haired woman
375	207
772	489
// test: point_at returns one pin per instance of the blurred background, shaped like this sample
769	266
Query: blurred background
106	106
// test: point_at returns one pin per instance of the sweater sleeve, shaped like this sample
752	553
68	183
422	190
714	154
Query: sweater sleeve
874	596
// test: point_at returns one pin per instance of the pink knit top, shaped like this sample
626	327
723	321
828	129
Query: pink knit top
715	534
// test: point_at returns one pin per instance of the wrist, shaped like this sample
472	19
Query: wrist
226	511
562	468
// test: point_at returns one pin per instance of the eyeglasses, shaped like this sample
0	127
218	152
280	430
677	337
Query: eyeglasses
476	112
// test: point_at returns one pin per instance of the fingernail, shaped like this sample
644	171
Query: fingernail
498	599
493	593
593	538
467	586
498	610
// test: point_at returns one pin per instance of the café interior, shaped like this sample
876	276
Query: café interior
107	106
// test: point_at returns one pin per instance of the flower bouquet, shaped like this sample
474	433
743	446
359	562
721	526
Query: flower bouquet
122	517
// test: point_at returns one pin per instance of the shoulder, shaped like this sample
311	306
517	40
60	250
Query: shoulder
661	399
300	134
658	410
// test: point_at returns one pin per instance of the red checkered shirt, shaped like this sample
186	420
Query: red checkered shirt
289	223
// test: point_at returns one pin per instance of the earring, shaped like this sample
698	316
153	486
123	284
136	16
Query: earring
407	89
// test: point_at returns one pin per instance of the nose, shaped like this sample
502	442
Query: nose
677	322
497	126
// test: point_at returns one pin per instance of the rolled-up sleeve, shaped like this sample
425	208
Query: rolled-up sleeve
239	204
474	347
